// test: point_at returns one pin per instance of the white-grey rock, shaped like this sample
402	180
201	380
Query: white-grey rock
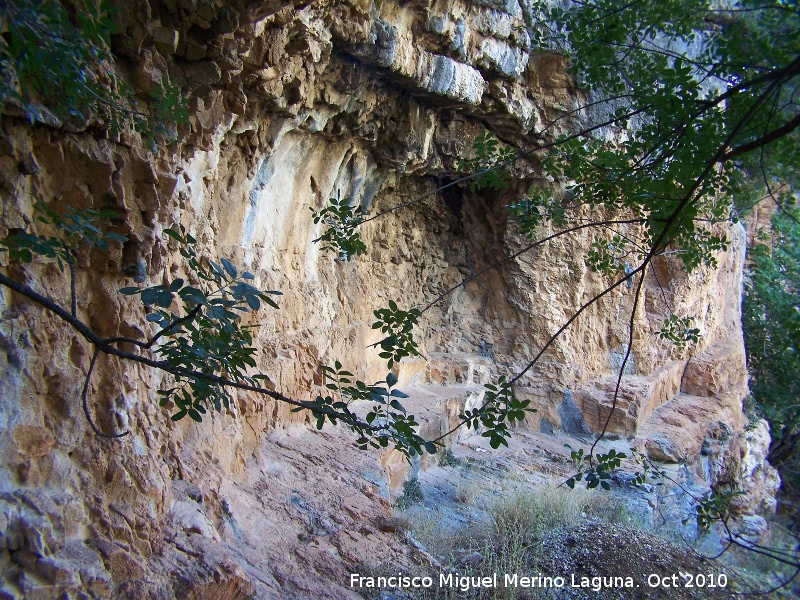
447	77
509	61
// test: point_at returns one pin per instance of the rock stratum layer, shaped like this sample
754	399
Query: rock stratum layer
293	104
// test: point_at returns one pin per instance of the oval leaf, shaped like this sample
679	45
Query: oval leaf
228	267
164	299
149	296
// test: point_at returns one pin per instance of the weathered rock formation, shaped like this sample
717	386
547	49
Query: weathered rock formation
292	104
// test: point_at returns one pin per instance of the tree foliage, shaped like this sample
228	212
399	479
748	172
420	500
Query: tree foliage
205	334
682	89
771	319
56	64
340	221
688	102
70	230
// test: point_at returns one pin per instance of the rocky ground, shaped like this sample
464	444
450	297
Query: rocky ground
657	568
313	511
647	533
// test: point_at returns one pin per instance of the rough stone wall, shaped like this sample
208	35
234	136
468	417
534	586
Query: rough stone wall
291	105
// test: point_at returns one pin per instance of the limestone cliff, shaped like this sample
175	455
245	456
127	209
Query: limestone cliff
292	104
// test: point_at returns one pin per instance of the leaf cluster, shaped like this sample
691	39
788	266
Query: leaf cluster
387	421
596	470
536	208
716	506
487	163
607	256
341	222
203	333
501	408
679	331
70	229
58	66
399	325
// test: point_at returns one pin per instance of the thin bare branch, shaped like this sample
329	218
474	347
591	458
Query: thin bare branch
527	248
617	387
107	347
85	403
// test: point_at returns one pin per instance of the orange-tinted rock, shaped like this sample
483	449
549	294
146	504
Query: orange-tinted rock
33	441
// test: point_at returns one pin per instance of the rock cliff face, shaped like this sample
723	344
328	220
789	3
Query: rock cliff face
292	104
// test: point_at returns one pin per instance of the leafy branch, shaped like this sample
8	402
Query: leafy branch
340	221
716	508
201	342
207	350
70	229
595	469
399	325
500	409
206	334
488	156
679	331
387	420
59	67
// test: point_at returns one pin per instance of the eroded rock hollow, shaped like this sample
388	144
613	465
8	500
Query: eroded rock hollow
291	105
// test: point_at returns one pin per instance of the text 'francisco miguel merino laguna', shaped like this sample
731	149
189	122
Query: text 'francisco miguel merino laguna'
464	583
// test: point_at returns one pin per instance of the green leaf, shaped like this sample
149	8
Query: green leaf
149	296
253	302
190	294
271	303
174	234
229	267
164	299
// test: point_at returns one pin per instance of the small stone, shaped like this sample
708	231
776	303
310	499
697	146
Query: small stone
206	11
753	527
437	24
474	559
166	40
195	51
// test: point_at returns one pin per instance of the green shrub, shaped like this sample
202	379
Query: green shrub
412	494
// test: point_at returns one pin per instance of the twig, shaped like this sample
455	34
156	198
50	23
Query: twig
85	403
106	346
527	248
